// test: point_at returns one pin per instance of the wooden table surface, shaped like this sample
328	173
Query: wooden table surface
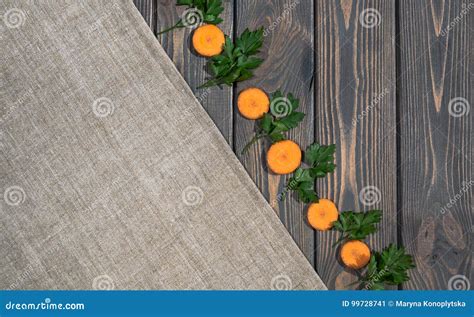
390	82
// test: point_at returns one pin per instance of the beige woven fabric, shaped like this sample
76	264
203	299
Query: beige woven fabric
112	174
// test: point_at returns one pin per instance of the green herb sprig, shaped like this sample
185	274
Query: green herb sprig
320	159
236	61
281	118
389	267
356	225
206	11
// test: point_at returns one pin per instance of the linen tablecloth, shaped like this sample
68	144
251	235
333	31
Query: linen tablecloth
112	174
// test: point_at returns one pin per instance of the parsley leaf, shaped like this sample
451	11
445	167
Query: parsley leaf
208	11
357	225
303	183
282	118
387	268
236	62
320	159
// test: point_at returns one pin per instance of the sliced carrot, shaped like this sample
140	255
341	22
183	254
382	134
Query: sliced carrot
284	157
322	214
253	103
208	40
355	254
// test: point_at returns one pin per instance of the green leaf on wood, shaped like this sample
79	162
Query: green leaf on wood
357	225
236	62
274	124
389	267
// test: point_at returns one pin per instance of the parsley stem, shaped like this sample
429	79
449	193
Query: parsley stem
178	24
342	238
287	188
210	83
252	141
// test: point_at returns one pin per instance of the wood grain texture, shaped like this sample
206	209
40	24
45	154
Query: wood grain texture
436	148
288	53
147	9
355	109
177	43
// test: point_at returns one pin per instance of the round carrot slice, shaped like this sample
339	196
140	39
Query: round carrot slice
322	214
208	40
355	254
284	157
253	103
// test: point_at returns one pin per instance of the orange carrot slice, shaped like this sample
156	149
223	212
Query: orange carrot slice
208	40
322	214
284	157
253	103
355	254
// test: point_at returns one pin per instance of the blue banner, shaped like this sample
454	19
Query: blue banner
236	303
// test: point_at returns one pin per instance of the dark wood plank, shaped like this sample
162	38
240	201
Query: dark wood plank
355	109
148	10
288	54
436	147
216	101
